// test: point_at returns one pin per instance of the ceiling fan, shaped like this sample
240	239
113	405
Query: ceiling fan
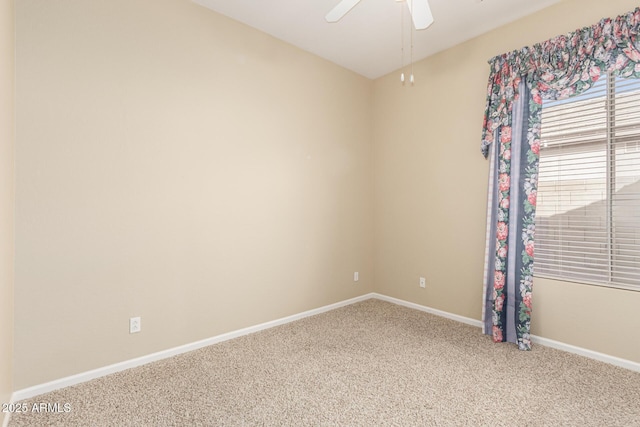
419	9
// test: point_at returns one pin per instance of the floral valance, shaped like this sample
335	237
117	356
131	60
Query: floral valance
564	66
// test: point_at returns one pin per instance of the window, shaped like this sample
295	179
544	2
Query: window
588	201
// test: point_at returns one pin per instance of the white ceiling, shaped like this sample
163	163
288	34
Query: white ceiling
368	39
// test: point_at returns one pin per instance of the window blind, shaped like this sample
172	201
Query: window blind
588	201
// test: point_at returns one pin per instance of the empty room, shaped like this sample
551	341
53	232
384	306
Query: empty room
334	212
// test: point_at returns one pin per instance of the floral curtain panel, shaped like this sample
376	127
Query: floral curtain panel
519	81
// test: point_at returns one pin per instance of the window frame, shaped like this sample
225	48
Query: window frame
594	138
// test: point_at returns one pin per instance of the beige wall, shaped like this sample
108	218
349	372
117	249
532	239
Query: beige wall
7	65
431	184
176	165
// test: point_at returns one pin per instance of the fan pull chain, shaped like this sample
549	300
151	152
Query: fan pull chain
411	78
411	30
402	45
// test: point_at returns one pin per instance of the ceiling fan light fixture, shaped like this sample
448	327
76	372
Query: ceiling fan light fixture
420	12
420	15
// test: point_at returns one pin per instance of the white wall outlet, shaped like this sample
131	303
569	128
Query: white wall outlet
356	276
423	282
135	325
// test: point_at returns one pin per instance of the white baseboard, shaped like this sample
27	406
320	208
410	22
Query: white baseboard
457	318
612	360
37	390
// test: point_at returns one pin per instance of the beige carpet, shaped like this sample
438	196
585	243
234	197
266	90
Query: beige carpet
368	364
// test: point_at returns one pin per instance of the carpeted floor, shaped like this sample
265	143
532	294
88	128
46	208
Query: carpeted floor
369	364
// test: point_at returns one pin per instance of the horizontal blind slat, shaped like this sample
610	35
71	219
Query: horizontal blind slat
573	205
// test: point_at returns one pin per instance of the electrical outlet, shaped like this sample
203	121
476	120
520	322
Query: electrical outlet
135	325
356	276
423	282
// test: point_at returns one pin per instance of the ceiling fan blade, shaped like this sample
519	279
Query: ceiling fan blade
340	10
421	13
